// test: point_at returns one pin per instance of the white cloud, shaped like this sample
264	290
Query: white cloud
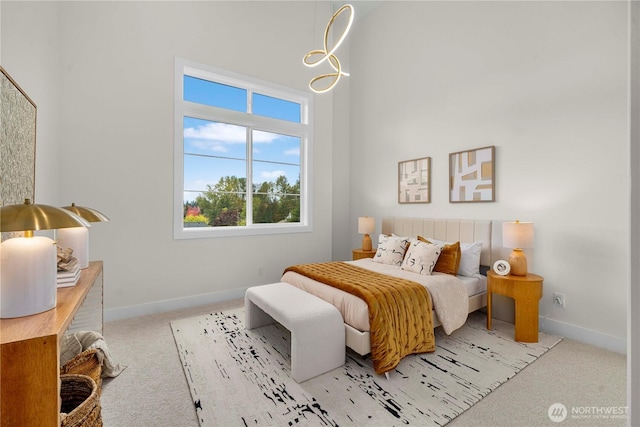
215	146
220	132
292	152
260	137
217	137
272	174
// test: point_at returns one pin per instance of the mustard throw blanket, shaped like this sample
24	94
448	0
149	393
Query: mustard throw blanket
399	309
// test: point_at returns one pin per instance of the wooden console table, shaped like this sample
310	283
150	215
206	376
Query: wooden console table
30	352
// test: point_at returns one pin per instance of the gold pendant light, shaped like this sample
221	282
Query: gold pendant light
316	57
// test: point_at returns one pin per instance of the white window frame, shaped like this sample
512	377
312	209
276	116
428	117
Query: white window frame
184	108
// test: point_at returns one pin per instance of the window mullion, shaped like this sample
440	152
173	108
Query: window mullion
249	204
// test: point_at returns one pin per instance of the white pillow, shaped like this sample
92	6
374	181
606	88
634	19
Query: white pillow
391	249
421	257
470	259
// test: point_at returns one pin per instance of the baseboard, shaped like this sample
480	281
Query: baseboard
172	304
588	336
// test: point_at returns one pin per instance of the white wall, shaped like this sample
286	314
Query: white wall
29	55
546	83
341	164
104	71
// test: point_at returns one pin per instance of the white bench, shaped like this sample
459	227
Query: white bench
317	328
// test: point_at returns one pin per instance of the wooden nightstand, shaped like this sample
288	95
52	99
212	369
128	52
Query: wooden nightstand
526	291
360	253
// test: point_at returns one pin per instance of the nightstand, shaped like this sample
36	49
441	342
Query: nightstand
526	291
361	253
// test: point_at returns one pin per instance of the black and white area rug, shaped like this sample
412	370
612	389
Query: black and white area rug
239	377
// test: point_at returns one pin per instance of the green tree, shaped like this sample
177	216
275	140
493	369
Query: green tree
273	201
227	198
264	203
277	201
293	202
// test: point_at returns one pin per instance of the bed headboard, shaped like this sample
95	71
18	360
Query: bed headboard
451	230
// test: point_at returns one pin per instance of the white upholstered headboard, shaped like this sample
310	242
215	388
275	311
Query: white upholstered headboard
451	230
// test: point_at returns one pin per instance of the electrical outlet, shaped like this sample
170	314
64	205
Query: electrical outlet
558	299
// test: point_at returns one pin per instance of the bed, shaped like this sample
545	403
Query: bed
354	310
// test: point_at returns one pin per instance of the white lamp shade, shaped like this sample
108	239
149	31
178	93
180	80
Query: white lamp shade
366	225
517	235
28	274
76	238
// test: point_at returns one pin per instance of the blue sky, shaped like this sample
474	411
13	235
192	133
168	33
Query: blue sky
221	149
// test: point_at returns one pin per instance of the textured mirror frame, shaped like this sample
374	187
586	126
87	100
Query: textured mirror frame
17	144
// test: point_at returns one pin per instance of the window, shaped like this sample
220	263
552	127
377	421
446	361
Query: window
242	155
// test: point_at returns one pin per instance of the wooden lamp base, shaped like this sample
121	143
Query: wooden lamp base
518	263
366	243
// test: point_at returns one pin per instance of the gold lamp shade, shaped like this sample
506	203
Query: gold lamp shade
29	217
87	214
77	239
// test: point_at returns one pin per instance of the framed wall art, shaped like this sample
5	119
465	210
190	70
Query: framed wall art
17	143
471	175
414	178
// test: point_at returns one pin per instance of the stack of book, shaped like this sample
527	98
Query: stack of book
68	277
68	268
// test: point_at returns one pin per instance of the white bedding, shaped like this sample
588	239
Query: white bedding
475	285
449	295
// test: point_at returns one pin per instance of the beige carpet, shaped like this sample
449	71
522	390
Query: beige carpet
153	390
227	366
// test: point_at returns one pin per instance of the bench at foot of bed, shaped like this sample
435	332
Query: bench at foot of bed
317	328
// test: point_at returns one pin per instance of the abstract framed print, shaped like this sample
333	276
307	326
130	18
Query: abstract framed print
414	181
472	175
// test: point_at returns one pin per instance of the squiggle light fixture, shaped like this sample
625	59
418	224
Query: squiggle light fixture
328	55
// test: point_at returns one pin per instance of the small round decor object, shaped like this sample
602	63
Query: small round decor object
501	267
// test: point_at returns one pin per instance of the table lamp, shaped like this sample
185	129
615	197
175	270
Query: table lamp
77	238
29	268
517	235
366	226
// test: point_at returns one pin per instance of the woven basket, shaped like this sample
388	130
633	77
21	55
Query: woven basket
85	363
80	402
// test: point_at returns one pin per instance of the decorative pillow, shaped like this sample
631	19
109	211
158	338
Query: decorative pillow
421	257
470	259
449	259
391	249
